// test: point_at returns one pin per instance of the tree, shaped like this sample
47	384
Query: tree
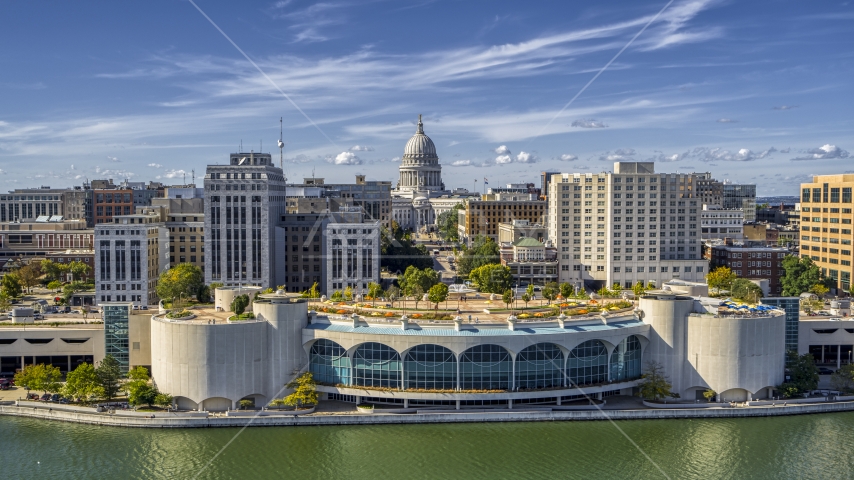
305	391
720	278
550	291
507	297
203	294
616	289
398	250
142	393
29	275
163	400
82	383
526	297
39	377
11	285
393	293
492	278
438	293
819	289
425	278
215	285
313	292
484	251
654	384
182	280
337	296
109	373
239	304
78	270
348	294
709	394
416	291
374	290
745	290
638	288
5	301
245	404
566	290
53	270
530	290
448	223
803	375
843	379
650	285
800	275
54	285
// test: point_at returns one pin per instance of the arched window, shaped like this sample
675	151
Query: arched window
539	366
376	365
485	367
588	363
329	363
626	360
430	367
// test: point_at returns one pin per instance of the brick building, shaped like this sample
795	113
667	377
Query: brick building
752	262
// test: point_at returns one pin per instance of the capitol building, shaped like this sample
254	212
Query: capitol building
420	195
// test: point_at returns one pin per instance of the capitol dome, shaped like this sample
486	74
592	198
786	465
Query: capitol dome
420	145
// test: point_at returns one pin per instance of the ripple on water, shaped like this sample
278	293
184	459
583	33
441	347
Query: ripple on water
810	446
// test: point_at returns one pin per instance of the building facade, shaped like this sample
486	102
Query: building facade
352	256
243	200
752	262
483	217
628	226
826	231
740	196
718	223
530	261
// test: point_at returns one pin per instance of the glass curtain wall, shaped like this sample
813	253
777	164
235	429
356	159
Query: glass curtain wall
376	365
626	360
486	367
588	363
539	366
430	367
329	363
116	319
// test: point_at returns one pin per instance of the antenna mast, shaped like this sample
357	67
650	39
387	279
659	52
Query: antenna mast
281	145
194	175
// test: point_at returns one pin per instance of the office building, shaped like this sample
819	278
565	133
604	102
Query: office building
740	196
483	217
628	226
517	229
792	307
826	217
243	200
314	195
185	221
43	236
754	262
718	223
531	262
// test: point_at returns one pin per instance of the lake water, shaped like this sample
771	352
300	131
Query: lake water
809	446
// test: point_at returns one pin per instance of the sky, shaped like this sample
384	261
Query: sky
754	92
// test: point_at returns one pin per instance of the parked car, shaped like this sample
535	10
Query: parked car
55	397
46	397
824	371
63	400
5	384
144	307
38	316
33	396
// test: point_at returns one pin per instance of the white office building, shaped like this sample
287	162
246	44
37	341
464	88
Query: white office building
351	252
627	226
718	223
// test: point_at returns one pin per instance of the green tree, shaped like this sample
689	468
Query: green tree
425	278
438	293
802	372
215	285
82	383
29	275
800	275
5	301
604	292
484	251
638	288
54	285
650	285
375	290
448	223
78	270
819	289
305	391
337	296
245	404
181	281
709	394
492	278
745	290
507	297
53	270
203	294
313	292
11	285
348	294
239	304
550	291
654	384
526	297
109	373
142	393
417	291
398	250
566	290
163	400
843	379
720	278
39	377
616	289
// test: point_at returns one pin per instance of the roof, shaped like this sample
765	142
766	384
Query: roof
528	242
469	330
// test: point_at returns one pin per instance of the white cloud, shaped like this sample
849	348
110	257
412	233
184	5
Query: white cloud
395	159
785	107
155	165
72	167
525	157
503	159
727	120
345	158
502	150
461	163
173	174
361	148
108	173
824	152
618	155
113	159
589	123
707	154
662	157
625	151
566	157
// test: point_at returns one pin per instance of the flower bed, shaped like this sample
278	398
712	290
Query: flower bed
180	314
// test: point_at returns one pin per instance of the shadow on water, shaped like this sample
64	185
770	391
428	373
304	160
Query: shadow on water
810	446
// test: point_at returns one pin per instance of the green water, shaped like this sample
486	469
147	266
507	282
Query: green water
812	446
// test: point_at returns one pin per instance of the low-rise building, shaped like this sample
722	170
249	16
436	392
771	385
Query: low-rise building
530	261
516	229
751	261
717	223
482	217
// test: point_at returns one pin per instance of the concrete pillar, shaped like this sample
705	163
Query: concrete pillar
358	400
510	404
558	400
458	404
599	396
69	363
405	403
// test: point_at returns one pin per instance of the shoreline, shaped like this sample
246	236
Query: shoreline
179	421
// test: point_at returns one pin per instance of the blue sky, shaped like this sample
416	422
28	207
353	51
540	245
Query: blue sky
755	92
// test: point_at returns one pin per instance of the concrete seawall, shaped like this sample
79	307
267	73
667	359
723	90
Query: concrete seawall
395	419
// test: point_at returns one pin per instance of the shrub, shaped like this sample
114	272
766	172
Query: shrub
341	311
388	314
179	314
